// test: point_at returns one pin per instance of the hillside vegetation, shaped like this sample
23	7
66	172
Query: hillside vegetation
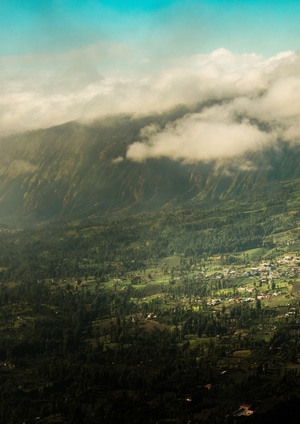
78	170
178	315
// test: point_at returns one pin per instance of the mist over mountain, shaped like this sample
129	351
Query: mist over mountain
77	170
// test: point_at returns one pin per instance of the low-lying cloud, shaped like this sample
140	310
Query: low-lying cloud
195	138
262	106
254	100
16	167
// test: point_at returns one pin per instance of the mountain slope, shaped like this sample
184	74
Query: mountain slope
74	170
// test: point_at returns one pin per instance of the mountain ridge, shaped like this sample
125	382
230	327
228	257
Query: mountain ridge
75	170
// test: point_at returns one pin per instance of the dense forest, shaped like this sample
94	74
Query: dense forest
179	316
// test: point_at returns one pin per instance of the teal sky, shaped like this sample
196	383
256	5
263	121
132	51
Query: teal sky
79	59
163	27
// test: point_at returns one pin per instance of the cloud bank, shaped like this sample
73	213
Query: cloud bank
193	138
254	100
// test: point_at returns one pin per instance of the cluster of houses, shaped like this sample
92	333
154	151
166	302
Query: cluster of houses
286	268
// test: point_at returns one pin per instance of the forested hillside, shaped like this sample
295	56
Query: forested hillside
77	170
171	316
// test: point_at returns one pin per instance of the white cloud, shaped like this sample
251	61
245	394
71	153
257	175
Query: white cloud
200	137
87	83
281	100
260	94
117	160
16	167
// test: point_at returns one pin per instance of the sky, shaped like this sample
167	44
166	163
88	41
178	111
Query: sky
63	60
